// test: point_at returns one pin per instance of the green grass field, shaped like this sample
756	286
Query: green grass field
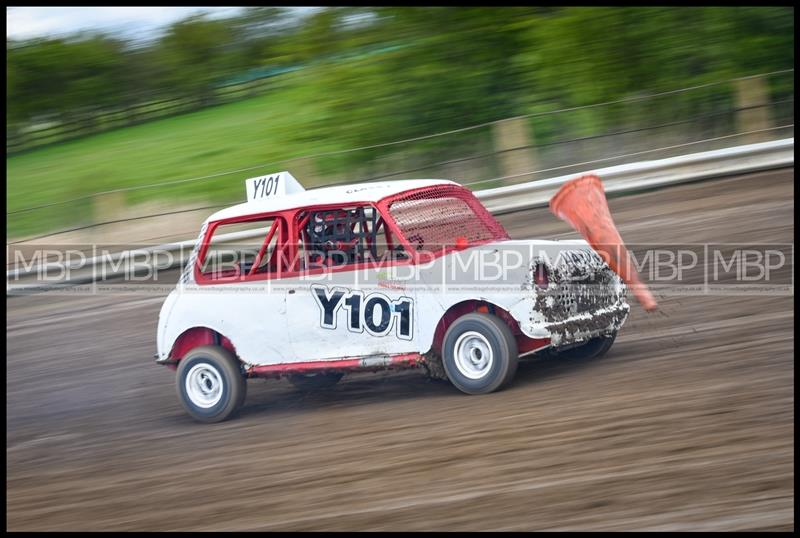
272	127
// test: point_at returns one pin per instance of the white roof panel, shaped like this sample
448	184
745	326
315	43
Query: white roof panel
339	194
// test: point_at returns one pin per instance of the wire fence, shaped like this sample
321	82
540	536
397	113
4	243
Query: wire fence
555	139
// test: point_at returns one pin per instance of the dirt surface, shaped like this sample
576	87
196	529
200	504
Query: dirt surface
687	423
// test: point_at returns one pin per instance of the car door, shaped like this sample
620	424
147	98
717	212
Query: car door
351	297
236	274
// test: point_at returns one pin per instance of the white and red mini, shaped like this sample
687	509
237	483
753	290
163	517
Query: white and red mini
312	284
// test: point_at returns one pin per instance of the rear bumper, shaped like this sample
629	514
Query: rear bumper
164	361
582	299
585	326
580	327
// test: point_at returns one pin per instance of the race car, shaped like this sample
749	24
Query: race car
313	284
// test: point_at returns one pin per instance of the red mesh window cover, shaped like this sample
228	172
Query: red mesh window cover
436	217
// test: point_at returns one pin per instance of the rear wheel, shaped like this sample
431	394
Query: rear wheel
479	353
210	383
311	382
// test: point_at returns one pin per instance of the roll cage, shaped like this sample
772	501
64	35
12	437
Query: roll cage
416	225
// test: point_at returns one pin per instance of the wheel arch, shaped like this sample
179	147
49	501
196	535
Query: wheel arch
196	337
465	307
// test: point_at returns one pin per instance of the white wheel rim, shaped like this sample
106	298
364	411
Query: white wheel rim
473	355
204	385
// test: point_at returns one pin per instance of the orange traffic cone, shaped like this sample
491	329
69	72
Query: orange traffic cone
582	203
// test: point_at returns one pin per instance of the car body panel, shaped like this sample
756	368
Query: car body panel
393	308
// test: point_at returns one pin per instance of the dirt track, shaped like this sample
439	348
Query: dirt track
687	423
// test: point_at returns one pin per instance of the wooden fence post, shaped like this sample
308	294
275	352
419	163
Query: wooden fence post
514	143
107	207
304	171
752	100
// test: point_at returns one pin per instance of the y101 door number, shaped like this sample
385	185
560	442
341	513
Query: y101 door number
374	312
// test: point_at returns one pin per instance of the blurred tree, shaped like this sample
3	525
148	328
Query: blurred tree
39	76
259	31
65	76
13	114
455	71
198	51
93	70
579	56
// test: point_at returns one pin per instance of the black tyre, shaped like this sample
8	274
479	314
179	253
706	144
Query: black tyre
593	349
479	353
311	382
211	385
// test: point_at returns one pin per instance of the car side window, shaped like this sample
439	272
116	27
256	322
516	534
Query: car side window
237	250
341	236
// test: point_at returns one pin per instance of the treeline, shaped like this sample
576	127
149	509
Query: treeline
89	71
388	73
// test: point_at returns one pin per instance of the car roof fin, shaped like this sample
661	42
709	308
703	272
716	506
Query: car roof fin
272	186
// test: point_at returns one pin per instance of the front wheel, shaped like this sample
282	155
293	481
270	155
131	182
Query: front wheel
210	384
479	353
